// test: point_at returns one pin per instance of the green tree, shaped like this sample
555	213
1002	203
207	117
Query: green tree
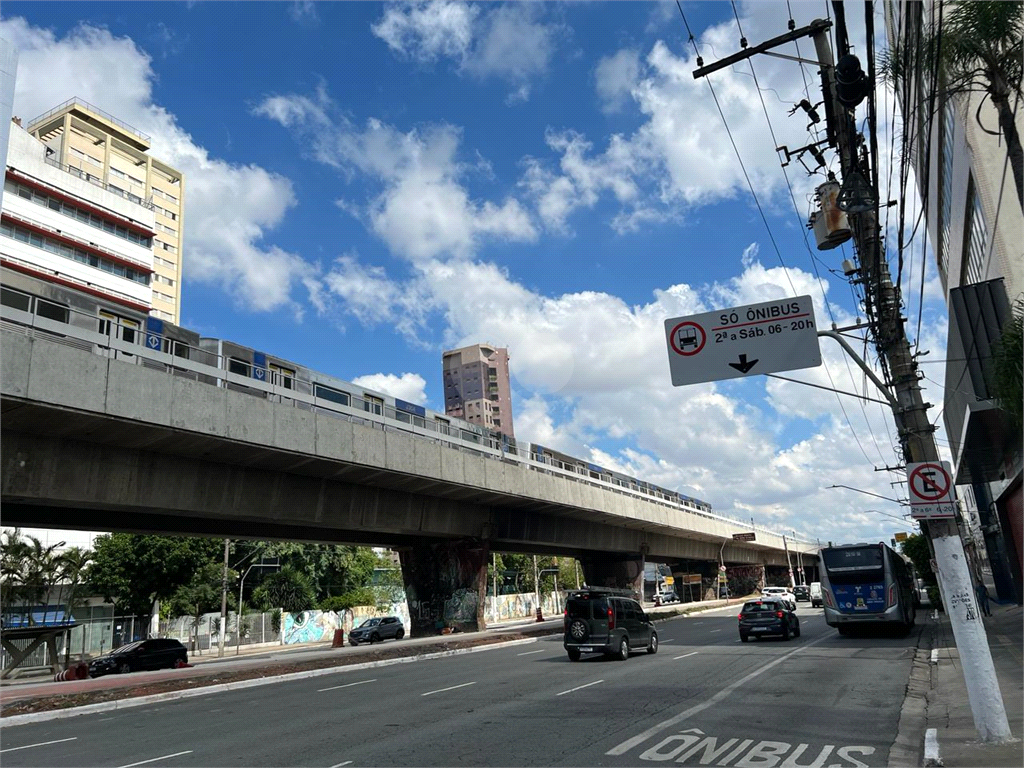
976	48
331	569
31	573
287	589
1007	367
916	548
132	570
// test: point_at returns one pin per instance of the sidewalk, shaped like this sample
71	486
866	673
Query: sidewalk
949	709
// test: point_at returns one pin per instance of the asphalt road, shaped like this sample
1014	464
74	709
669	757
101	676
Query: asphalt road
704	699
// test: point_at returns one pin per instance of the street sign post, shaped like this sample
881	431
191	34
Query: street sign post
732	343
745	536
931	490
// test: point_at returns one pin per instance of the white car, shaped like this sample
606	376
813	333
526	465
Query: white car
780	593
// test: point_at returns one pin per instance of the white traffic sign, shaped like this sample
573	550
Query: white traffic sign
931	490
742	341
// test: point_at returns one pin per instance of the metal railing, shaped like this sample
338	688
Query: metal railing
96	181
96	111
298	390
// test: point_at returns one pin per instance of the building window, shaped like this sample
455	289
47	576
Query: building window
976	239
946	208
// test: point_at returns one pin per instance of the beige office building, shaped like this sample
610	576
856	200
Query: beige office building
476	386
100	148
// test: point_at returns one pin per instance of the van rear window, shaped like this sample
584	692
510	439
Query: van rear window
587	609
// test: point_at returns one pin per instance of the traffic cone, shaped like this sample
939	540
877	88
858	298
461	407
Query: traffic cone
540	616
179	664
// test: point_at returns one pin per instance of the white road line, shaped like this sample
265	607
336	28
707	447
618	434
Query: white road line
931	747
629	744
347	685
714	630
685	655
935	655
666	639
579	688
442	690
339	765
40	744
530	652
154	759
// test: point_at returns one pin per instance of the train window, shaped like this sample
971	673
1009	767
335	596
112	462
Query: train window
52	311
238	366
282	377
373	404
176	348
123	328
334	395
15	299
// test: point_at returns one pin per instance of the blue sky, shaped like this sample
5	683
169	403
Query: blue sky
368	184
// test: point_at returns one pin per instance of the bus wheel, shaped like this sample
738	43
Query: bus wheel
843	630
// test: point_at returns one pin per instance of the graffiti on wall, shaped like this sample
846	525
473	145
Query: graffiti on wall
319	626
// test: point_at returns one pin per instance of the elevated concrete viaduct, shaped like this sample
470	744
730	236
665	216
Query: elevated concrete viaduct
96	443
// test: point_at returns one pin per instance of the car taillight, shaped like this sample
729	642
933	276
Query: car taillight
611	618
739	616
779	614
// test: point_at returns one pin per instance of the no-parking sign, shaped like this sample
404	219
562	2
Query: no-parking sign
931	490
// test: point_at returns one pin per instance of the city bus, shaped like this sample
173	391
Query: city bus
863	584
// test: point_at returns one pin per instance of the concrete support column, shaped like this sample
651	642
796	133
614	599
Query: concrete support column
445	585
601	569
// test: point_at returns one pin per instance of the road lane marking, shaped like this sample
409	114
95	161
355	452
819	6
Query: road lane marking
442	690
685	655
339	765
666	639
40	744
715	630
155	759
347	685
629	744
579	687
530	652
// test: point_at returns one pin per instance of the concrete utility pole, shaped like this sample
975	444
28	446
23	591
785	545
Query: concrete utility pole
883	307
789	563
224	598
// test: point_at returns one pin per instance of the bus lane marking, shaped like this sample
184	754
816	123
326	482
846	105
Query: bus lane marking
748	753
654	730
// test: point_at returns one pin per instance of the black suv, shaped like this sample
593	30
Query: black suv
768	616
156	653
609	621
802	592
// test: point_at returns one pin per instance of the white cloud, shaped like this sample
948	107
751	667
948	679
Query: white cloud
410	387
223	244
507	42
616	76
423	210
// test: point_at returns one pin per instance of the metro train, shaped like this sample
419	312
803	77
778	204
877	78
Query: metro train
105	327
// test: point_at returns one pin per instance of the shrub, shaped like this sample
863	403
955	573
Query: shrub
935	598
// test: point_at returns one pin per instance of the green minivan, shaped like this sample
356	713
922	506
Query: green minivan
608	621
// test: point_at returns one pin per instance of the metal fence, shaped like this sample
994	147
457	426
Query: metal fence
93	636
202	635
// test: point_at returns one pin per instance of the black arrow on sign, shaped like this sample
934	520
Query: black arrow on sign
743	366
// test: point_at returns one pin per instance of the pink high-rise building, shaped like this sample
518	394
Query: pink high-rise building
476	386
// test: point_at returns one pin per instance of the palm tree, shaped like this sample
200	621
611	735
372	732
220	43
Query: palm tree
976	48
73	566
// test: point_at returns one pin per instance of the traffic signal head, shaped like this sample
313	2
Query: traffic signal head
852	85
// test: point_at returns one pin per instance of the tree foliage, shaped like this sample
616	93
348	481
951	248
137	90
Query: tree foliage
32	574
288	589
202	593
331	569
916	548
132	570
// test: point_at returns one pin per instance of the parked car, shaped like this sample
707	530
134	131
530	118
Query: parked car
781	593
376	630
608	621
768	616
816	594
157	653
802	592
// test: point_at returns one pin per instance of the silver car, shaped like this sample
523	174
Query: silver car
375	630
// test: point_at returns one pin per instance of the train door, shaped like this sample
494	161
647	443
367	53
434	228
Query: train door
120	328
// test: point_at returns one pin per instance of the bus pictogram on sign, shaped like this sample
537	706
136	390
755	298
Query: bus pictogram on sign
688	338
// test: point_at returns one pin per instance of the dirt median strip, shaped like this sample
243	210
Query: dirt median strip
50	702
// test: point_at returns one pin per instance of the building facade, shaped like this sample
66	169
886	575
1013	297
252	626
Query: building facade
476	386
71	244
86	141
976	226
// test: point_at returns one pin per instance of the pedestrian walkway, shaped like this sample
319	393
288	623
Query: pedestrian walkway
956	742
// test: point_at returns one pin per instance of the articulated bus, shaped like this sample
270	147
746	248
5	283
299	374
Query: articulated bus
865	584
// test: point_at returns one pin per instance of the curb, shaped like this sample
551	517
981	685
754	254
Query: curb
139	701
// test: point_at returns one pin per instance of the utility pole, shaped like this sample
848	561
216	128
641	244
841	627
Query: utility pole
882	303
789	563
224	598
